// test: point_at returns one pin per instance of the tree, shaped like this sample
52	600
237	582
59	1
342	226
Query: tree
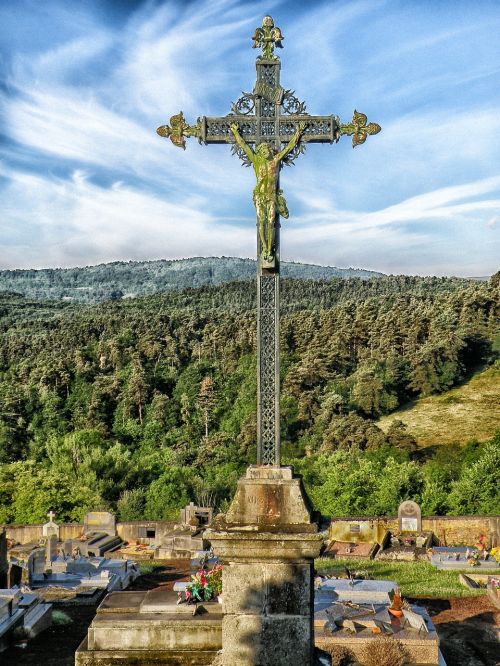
399	437
130	505
206	400
476	491
168	494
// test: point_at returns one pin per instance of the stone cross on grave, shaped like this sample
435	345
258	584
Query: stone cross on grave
51	515
268	128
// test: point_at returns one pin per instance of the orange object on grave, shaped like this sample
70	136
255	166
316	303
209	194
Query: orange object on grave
396	608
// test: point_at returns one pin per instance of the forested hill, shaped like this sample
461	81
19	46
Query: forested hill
141	405
94	284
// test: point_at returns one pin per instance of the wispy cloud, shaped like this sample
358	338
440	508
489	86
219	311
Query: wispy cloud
79	109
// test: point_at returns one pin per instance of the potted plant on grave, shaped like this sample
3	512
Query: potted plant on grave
204	585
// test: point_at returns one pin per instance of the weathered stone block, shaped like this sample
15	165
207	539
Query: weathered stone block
251	640
269	496
272	588
154	631
86	657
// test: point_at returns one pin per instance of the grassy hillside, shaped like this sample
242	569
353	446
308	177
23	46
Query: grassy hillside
470	411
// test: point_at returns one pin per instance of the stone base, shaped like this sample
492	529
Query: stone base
86	657
272	499
133	628
267	544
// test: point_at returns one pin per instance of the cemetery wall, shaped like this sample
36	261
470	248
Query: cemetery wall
33	533
138	530
450	530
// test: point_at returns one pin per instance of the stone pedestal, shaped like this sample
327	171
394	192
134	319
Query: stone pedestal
267	543
150	629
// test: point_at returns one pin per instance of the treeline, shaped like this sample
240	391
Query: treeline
122	279
143	404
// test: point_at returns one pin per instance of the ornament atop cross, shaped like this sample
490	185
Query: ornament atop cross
267	128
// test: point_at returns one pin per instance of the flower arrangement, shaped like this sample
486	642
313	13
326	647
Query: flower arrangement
495	554
473	560
204	585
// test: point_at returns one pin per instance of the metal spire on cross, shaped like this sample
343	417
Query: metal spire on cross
268	128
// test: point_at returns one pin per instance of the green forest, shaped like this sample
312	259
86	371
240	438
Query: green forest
126	279
140	405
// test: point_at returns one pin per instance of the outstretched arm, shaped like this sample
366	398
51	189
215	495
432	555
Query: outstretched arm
241	143
293	141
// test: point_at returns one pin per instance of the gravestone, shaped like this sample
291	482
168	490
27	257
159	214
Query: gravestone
409	517
50	550
99	521
196	515
50	528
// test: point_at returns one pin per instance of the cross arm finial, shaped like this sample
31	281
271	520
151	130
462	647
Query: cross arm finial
267	37
179	129
359	128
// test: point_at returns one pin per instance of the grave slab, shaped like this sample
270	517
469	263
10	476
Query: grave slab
361	592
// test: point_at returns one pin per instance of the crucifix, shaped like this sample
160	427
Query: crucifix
268	128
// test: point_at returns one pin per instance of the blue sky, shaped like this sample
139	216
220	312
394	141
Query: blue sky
85	179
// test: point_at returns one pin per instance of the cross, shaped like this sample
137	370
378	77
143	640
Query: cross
268	128
51	515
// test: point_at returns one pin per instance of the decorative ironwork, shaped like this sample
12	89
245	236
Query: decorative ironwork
268	450
179	129
239	152
359	128
291	104
268	74
244	105
267	38
267	109
268	129
289	160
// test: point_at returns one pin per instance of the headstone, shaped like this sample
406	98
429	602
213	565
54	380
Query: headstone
409	517
50	528
99	521
196	515
50	550
415	620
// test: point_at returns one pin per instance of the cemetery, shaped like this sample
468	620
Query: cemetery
271	583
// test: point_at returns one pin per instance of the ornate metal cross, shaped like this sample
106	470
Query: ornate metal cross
277	125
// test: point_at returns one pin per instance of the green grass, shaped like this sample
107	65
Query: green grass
416	579
146	567
458	416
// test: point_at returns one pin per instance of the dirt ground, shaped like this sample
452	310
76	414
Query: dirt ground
468	628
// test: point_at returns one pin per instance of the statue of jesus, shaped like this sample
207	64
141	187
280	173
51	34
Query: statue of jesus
267	197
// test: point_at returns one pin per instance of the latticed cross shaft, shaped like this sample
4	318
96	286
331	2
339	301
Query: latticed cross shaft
267	128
